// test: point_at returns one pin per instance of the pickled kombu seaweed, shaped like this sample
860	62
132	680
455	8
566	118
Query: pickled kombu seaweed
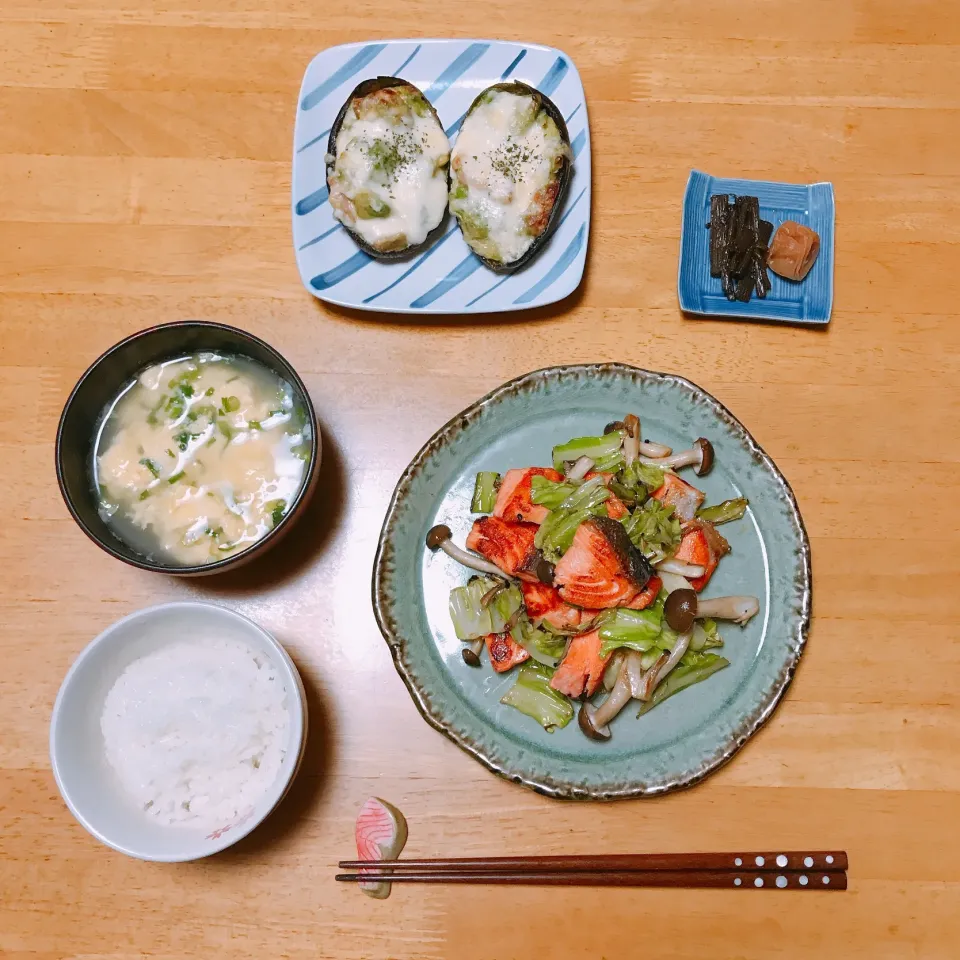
738	246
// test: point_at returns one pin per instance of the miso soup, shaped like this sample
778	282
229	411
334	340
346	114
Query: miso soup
200	457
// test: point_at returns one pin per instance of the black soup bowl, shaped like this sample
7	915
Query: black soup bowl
99	387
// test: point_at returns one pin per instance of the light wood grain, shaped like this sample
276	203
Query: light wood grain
144	176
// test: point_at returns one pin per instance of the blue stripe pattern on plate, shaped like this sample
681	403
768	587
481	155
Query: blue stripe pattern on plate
809	301
351	68
446	277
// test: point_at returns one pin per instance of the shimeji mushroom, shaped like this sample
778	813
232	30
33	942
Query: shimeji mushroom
681	569
594	721
699	456
630	424
440	538
580	469
664	665
471	652
683	607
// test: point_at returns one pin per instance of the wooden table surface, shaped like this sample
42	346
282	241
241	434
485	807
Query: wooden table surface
145	177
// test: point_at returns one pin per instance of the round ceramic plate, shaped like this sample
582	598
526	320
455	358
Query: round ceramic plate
687	736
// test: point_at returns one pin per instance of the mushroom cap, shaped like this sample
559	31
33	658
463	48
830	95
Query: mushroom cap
470	658
706	456
585	720
438	535
680	610
544	571
613	425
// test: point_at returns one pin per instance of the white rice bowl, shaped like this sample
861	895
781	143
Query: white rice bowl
92	788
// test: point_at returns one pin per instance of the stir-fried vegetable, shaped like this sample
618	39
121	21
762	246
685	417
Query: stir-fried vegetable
724	512
650	651
485	492
653	530
556	532
540	642
593	447
638	475
705	636
549	493
533	696
472	618
609	463
635	629
693	668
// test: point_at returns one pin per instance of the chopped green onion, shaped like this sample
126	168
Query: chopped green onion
152	415
533	696
209	392
485	492
183	379
276	509
151	466
143	495
175	407
592	447
175	477
182	440
229	404
724	512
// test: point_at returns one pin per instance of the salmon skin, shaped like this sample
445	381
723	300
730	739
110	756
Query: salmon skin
508	544
602	568
647	595
684	498
581	670
543	602
514	497
703	545
505	653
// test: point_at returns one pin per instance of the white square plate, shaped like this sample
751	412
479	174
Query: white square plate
447	277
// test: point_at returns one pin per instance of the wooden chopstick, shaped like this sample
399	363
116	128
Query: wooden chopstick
729	879
820	861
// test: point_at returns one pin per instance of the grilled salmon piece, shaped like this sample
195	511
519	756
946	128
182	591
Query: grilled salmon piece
543	602
647	595
513	498
602	568
581	670
505	653
616	508
703	545
506	543
684	498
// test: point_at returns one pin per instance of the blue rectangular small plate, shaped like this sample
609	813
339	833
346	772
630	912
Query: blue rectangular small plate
447	277
809	301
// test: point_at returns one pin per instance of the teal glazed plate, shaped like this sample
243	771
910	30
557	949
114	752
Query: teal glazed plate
692	733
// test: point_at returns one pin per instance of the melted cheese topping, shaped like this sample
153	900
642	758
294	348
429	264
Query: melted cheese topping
389	181
503	162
